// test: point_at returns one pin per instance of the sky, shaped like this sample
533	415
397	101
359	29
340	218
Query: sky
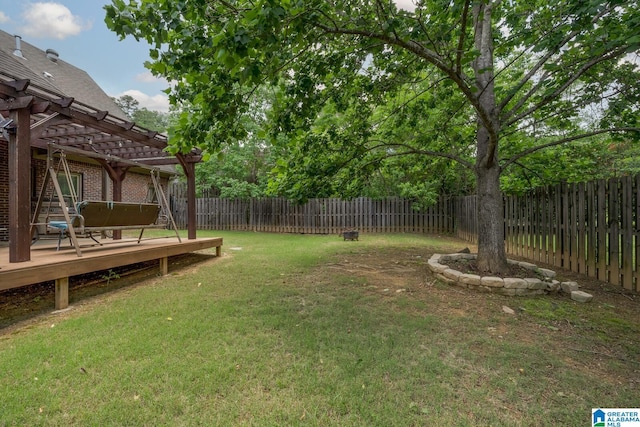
76	30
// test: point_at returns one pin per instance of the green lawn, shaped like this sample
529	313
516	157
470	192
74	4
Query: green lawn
273	334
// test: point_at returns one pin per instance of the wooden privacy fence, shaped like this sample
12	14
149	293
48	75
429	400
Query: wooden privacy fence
317	216
591	228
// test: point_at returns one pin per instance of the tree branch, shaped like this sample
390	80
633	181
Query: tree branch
463	27
525	169
543	60
565	140
405	103
430	56
547	99
411	150
426	33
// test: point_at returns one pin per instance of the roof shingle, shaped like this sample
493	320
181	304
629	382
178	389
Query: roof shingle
57	76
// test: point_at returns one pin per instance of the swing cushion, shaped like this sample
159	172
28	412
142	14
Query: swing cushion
60	225
102	214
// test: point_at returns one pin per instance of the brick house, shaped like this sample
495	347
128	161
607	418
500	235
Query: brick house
62	105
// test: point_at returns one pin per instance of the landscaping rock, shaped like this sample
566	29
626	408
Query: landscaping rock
492	282
580	296
435	257
446	279
553	286
458	256
507	286
436	267
547	273
515	283
528	265
470	279
452	274
569	287
508	310
535	283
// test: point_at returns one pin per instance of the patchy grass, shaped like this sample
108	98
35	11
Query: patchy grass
312	330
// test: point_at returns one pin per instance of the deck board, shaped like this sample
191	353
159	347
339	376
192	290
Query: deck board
47	264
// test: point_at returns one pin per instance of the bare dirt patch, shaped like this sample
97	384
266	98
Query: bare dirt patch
589	336
407	269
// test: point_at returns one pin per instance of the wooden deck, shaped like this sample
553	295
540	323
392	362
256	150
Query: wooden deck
48	264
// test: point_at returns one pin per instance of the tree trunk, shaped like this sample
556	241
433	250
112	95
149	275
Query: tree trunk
491	253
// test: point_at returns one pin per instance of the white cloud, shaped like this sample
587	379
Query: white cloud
406	5
154	103
147	77
3	18
52	20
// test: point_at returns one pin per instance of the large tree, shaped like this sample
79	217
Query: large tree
515	66
150	119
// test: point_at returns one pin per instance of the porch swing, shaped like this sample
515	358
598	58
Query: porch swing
71	217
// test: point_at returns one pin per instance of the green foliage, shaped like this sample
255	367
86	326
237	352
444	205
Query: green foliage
152	120
240	168
589	159
361	82
148	119
128	104
109	276
240	171
357	86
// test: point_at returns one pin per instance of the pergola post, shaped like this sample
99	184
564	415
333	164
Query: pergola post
117	175
19	186
191	200
189	169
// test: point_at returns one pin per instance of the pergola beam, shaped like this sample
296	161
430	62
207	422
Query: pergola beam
105	157
96	120
125	129
16	103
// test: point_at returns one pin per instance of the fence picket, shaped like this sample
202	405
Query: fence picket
614	232
627	232
591	220
591	228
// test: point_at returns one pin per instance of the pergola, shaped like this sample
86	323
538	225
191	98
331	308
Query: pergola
33	117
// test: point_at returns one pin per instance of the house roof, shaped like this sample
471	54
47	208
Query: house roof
48	70
69	109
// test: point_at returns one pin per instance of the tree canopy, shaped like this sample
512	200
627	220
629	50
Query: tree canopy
360	82
152	120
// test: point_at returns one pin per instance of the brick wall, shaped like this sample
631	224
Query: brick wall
134	186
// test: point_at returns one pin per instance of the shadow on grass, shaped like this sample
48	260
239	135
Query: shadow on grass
22	304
